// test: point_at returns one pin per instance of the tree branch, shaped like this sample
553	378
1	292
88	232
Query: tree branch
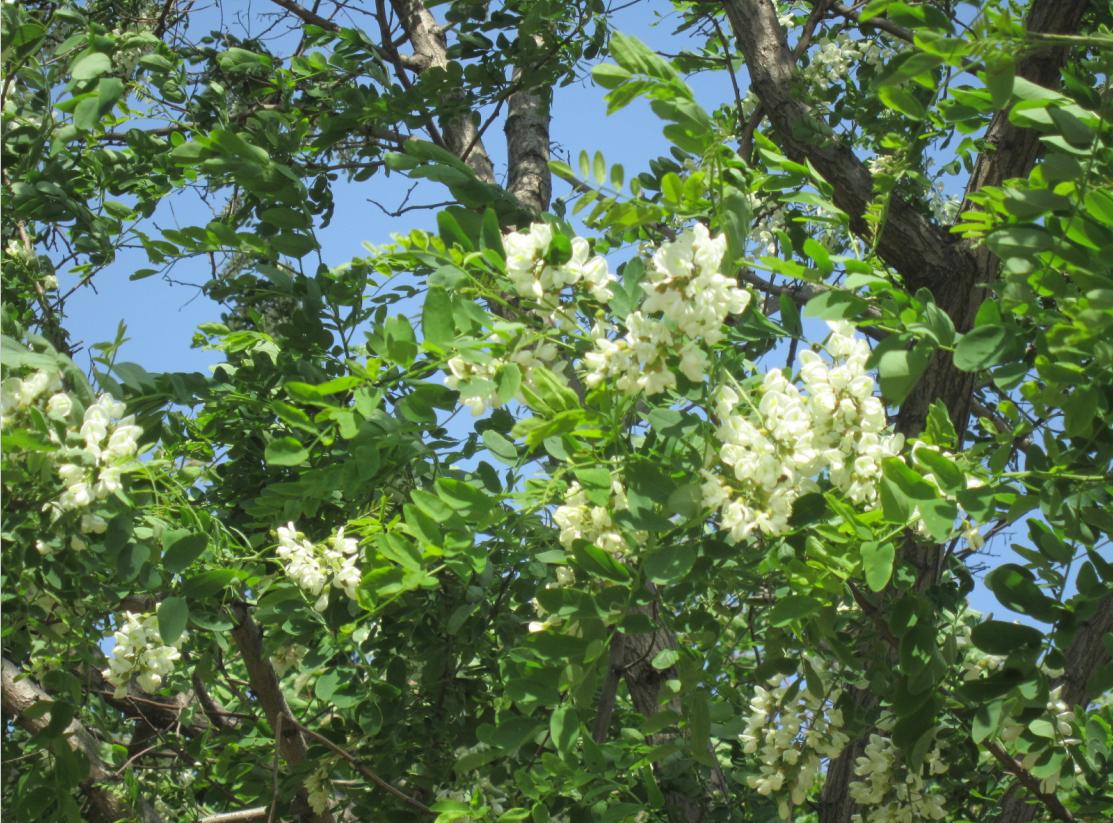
362	767
1053	804
925	254
430	49
256	813
19	694
264	683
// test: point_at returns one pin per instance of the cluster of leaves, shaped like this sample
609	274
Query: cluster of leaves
328	408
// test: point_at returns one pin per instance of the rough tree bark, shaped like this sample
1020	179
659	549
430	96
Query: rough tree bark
925	254
267	690
19	695
430	47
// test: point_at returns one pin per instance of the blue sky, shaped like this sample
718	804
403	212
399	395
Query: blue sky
162	316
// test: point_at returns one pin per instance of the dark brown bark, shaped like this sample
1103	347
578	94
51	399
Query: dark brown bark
19	695
268	691
1086	653
926	255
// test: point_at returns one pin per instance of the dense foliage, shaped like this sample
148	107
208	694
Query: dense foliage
660	500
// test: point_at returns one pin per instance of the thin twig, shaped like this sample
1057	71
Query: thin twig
234	817
361	767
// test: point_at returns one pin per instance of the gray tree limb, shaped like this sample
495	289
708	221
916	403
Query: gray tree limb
431	51
19	695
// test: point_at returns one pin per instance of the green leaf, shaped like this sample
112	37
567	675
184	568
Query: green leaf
184	551
998	637
431	505
665	659
987	719
902	100
564	728
90	66
173	614
735	217
500	446
285	451
946	471
130	560
1000	71
790	608
669	563
898	368
1017	589
672	189
609	76
877	563
835	304
981	347
508	380
401	342
436	318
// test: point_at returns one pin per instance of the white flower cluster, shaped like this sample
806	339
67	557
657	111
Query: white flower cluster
140	653
318	567
1059	720
288	657
831	61
462	372
578	519
764	232
792	735
478	377
544	285
533	277
110	443
18	394
775	446
687	301
889	791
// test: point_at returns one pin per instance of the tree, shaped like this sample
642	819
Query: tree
740	425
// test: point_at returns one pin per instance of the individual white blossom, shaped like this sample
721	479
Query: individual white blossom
318	567
287	658
59	406
140	653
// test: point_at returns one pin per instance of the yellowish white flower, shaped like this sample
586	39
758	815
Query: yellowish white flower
140	653
316	568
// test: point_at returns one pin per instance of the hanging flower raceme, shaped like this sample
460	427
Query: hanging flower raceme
688	299
578	519
889	790
791	730
94	470
776	444
140	653
318	567
532	268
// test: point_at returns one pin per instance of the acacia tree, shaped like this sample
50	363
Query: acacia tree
659	500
